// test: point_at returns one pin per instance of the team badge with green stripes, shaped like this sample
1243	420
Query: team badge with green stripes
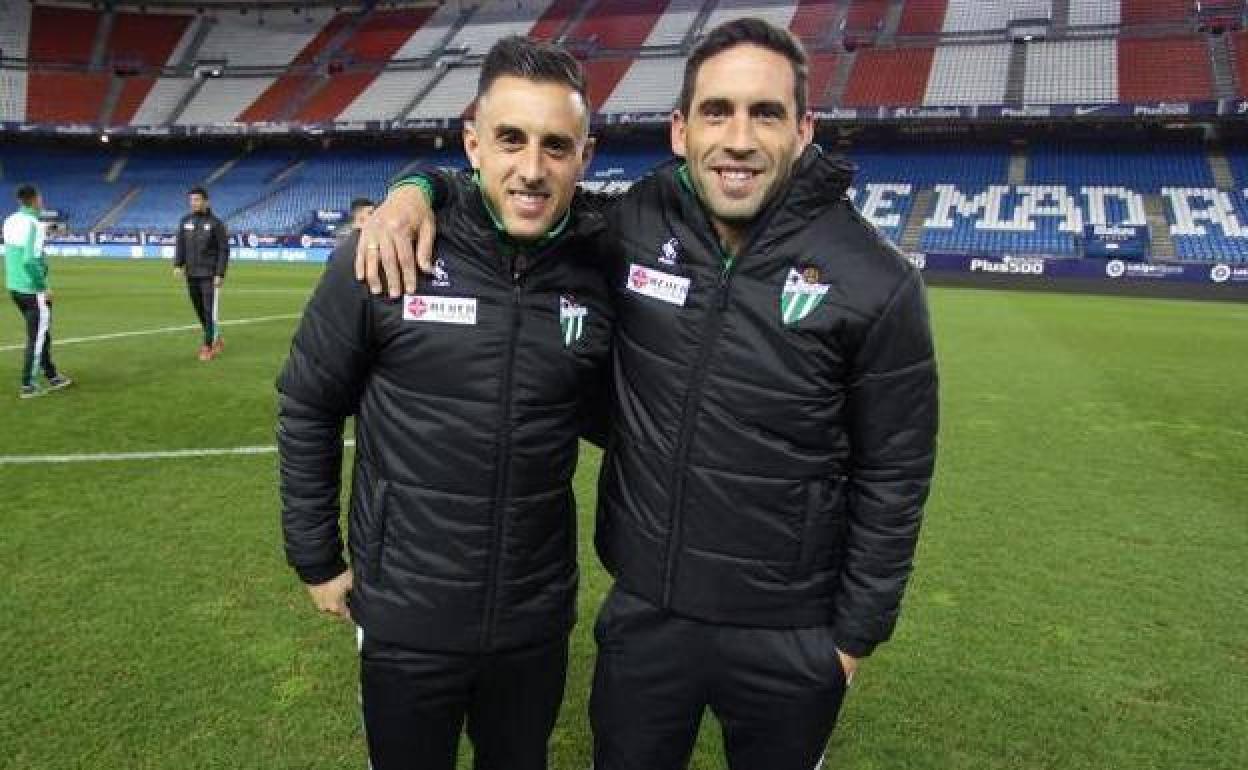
571	320
802	294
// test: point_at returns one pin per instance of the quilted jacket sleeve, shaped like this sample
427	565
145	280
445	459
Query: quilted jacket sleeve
893	424
319	387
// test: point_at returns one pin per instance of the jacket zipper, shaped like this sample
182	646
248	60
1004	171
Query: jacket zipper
693	397
504	468
503	478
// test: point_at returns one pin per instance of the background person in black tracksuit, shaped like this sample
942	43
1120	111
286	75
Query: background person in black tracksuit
462	520
773	432
202	254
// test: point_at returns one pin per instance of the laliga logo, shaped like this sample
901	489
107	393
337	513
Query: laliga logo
1115	268
640	278
417	307
1220	273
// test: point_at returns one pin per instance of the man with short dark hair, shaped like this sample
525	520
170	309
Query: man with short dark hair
26	277
359	212
462	519
202	254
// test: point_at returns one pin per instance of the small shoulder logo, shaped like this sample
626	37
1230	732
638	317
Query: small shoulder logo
441	278
802	293
571	319
669	253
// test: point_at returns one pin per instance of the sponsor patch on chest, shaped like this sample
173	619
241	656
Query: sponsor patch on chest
656	284
442	310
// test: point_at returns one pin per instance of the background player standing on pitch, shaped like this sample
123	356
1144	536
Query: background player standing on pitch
26	276
202	255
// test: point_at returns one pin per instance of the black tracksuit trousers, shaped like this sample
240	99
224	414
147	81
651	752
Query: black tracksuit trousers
204	299
416	704
775	691
37	311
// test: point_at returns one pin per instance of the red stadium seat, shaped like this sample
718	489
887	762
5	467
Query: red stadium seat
1156	69
65	97
812	20
891	77
62	35
1155	11
619	23
923	17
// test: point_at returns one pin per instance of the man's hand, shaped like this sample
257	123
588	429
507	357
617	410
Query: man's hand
331	596
179	272
849	665
386	240
217	281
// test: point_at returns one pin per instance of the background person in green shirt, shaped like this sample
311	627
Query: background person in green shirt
26	277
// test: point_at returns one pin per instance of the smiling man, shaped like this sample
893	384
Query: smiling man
773	427
462	533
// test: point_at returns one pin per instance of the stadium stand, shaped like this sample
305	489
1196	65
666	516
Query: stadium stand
491	23
1134	12
160	102
14	43
674	23
1074	71
1156	69
145	39
279	96
649	85
222	100
162	178
554	19
1143	168
388	96
865	16
386	35
323	181
778	13
991	15
452	95
72	180
923	17
968	74
893	77
244	41
1093	13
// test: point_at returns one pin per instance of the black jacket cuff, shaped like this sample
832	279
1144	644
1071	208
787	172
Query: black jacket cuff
321	573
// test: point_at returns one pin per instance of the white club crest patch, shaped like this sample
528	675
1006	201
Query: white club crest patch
571	320
801	295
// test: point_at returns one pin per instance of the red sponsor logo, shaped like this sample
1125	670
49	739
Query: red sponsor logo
640	278
417	307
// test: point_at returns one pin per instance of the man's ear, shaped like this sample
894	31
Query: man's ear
679	126
806	128
587	154
472	144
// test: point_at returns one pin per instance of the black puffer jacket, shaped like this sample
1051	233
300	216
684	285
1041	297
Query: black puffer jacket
202	246
467	399
775	422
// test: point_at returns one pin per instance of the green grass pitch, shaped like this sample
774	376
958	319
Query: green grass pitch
1080	598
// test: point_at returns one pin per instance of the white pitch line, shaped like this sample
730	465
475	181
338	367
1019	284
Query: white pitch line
145	332
168	454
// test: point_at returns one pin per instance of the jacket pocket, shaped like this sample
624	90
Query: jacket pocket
378	545
823	522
